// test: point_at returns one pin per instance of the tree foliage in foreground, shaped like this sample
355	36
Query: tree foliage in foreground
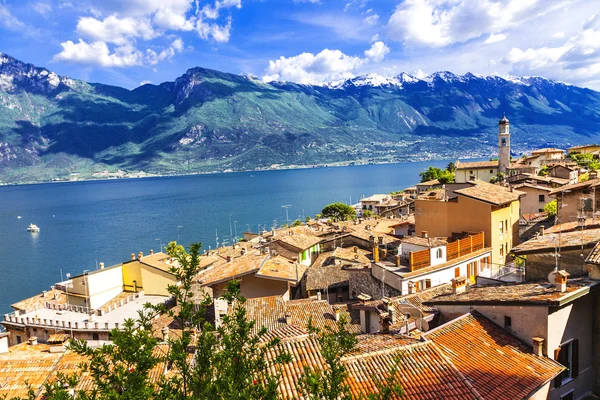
432	173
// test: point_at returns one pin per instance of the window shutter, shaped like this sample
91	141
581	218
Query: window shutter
558	379
575	359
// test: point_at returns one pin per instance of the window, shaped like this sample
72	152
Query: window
570	395
503	141
471	172
491	171
457	272
501	251
501	228
540	210
586	204
438	253
18	339
94	336
542	198
427	283
507	322
568	355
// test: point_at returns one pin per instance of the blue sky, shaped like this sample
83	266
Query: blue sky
127	42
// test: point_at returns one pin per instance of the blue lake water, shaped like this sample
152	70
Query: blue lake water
84	223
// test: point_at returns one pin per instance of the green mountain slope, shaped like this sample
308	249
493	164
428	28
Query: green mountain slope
56	127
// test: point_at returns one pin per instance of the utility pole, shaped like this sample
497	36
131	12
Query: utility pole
235	230
287	218
230	230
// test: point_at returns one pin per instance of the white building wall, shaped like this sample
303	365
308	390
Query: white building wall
104	285
433	253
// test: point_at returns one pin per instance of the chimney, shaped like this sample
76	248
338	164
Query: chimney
44	293
288	318
318	295
165	333
132	256
151	251
32	340
397	258
424	234
459	285
542	231
363	297
538	346
229	258
561	280
243	251
336	312
355	249
392	315
411	287
101	265
140	254
512	189
380	239
376	254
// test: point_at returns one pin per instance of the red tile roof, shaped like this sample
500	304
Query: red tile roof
498	364
493	194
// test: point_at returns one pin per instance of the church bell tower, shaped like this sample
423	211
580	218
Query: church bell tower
503	145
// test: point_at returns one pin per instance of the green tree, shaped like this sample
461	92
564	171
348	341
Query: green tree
543	171
432	173
367	213
550	208
451	167
297	223
307	219
338	212
498	178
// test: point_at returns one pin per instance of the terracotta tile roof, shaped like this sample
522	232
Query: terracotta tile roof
532	186
429	183
577	186
320	276
281	268
476	164
352	254
547	150
39	301
360	232
240	266
538	293
425	242
270	312
534	217
433	194
498	365
590	223
568	240
376	197
594	256
423	371
537	178
58	338
25	364
300	241
159	261
486	192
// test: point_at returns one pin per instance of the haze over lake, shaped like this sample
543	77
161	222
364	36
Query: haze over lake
84	223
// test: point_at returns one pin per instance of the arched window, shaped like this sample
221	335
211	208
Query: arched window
439	253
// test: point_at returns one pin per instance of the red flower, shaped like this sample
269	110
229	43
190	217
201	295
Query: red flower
254	381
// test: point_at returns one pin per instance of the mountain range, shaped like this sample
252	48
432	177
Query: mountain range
54	127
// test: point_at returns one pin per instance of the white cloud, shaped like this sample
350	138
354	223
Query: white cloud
42	7
142	83
495	38
558	35
375	37
8	20
326	66
377	52
372	19
114	33
436	23
115	30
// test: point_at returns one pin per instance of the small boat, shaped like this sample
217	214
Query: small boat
18	217
33	228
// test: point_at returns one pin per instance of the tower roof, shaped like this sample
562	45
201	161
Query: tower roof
504	120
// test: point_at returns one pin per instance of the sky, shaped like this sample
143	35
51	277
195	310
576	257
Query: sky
132	42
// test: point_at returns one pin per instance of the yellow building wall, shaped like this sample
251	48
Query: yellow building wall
251	287
155	281
441	219
132	271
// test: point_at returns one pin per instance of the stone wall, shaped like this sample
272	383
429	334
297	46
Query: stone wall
362	281
538	266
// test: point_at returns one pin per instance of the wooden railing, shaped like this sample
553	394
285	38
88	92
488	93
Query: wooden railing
422	259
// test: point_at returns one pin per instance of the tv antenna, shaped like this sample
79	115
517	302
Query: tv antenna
287	218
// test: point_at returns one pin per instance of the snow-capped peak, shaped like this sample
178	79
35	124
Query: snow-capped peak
404	77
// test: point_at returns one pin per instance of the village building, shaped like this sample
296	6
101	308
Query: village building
553	318
578	200
90	305
481	207
549	155
469	171
568	172
585	149
372	203
534	179
428	185
424	262
535	198
549	251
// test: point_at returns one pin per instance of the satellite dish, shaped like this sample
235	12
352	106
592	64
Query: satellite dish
422	325
552	277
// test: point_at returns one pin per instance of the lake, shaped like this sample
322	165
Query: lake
85	223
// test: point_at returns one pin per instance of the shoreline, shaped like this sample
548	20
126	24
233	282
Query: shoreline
281	168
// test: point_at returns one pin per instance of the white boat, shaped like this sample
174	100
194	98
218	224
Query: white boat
33	228
18	217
